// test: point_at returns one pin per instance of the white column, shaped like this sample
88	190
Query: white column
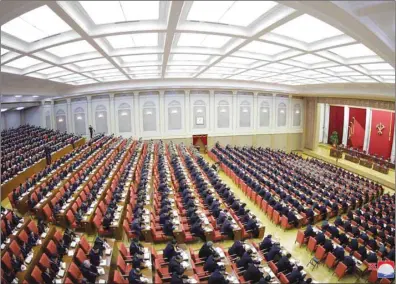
162	113
367	130
89	110
346	124
136	115
43	111
289	113
212	108
393	149
255	111
187	121
273	113
70	126
234	112
112	115
326	123
53	118
321	121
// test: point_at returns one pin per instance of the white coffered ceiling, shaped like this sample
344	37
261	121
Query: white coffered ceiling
88	42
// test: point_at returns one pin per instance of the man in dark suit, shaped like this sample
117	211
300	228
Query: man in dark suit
94	256
206	250
328	246
236	249
266	244
309	232
284	264
91	130
170	250
135	276
274	253
252	273
350	264
320	238
218	276
175	265
135	247
295	275
212	263
89	271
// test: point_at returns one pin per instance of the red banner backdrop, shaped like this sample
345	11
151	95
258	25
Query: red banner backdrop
381	144
336	122
356	127
202	137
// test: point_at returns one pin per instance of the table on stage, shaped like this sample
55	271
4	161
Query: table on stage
381	169
366	163
351	158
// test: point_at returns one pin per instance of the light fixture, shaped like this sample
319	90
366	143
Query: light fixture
282	111
244	110
100	115
173	111
264	110
35	96
79	117
3	109
20	108
199	110
60	120
149	112
222	110
124	113
18	96
297	111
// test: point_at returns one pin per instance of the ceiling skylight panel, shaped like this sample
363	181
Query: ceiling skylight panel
103	12
309	59
39	23
263	48
378	66
211	76
113	78
238	60
106	72
354	50
23	62
340	69
182	68
142	68
278	66
84	82
178	75
307	29
140	10
139	58
190	57
242	77
208	11
93	62
72	48
202	40
146	76
72	77
243	13
3	51
135	40
51	70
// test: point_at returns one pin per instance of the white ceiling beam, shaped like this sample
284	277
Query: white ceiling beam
84	35
173	19
280	16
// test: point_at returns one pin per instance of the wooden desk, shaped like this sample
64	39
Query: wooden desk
351	158
7	187
366	163
335	153
381	169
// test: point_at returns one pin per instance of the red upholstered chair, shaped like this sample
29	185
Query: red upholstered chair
36	274
330	260
6	260
84	245
284	222
74	273
48	213
58	236
119	279
124	252
51	248
33	227
80	256
128	232
283	279
276	217
301	238
320	253
270	209
311	244
273	267
15	249
23	236
71	219
373	277
122	266
385	281
44	262
340	270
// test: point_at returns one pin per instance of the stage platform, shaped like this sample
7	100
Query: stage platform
323	152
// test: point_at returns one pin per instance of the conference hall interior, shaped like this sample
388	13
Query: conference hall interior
197	142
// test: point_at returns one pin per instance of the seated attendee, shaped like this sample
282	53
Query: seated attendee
265	280
273	253
138	261
328	246
320	238
168	228
284	264
266	244
135	247
218	276
236	249
135	276
206	250
94	256
295	276
354	244
246	258
175	265
170	250
46	275
363	252
252	273
178	278
372	257
309	232
211	263
350	264
89	271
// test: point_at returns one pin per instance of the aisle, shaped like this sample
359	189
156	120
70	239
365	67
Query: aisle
287	238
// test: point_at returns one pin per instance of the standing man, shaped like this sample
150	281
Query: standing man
91	131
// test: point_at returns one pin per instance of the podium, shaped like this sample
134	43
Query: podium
200	142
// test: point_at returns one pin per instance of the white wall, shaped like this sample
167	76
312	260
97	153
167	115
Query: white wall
33	116
163	102
11	119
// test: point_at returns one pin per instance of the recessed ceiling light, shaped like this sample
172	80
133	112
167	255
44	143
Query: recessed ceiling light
18	96
35	96
3	109
20	108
